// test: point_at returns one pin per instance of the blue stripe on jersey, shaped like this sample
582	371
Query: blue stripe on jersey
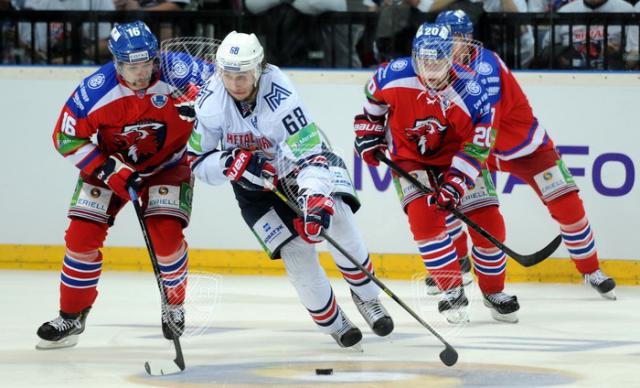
92	155
92	89
394	70
525	143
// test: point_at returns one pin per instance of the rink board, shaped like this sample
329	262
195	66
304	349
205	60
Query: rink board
591	116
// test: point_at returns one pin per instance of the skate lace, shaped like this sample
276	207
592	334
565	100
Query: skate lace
498	297
61	324
346	325
452	294
174	314
372	308
595	278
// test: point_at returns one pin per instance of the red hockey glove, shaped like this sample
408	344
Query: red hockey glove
119	176
318	210
370	137
449	193
248	169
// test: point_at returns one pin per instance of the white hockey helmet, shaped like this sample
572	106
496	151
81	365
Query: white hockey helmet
240	52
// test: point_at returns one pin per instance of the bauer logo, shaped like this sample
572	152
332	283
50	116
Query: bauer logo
399	65
96	81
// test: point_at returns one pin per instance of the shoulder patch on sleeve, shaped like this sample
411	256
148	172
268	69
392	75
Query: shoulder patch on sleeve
276	96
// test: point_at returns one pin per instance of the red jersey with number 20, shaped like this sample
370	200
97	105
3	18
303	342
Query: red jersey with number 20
452	128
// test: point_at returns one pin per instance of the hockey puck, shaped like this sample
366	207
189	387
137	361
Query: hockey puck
324	371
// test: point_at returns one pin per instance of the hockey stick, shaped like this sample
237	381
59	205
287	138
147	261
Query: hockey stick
448	356
161	367
524	260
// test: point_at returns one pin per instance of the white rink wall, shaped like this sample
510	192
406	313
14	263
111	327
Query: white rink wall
593	117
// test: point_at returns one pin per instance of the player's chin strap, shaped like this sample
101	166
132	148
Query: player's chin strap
524	260
449	356
160	367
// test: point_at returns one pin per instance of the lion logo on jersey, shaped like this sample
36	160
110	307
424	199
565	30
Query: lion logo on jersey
428	135
140	141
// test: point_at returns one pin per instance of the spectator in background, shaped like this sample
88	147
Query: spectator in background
287	34
150	5
398	21
58	42
617	54
338	52
165	29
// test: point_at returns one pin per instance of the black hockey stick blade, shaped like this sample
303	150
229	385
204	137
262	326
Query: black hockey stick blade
534	258
449	356
524	260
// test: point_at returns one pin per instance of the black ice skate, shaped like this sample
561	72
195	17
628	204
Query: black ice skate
454	306
63	331
465	270
503	306
602	283
375	314
173	320
348	334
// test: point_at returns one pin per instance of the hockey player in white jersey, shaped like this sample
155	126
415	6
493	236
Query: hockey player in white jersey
251	124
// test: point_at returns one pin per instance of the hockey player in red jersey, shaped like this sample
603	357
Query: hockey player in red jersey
120	128
444	143
524	149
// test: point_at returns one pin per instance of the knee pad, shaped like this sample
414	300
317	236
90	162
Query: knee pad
490	219
85	236
166	235
426	222
567	209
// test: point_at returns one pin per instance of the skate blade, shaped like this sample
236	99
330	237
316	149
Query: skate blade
611	295
357	348
456	316
508	318
433	290
467	278
66	342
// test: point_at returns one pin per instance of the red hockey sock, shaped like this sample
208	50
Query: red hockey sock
568	211
489	262
82	265
171	250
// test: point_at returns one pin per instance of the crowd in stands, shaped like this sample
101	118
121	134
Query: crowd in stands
342	33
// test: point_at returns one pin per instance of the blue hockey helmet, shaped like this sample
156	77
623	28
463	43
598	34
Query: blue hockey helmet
133	43
431	54
458	22
432	41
